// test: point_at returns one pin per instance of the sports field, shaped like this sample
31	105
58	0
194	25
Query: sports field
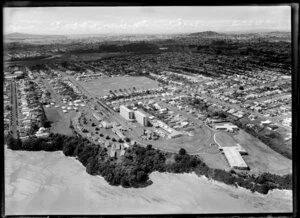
102	86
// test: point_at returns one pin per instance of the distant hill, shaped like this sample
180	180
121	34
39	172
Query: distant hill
279	34
20	36
205	34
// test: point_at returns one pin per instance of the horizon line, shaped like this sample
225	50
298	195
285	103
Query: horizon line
178	33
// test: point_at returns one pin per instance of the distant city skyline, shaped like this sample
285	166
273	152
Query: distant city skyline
145	20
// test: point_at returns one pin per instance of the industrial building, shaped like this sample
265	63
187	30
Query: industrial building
227	127
141	118
126	113
234	158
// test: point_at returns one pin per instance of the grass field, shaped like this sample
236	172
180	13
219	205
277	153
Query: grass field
224	140
101	87
217	161
61	122
192	144
262	158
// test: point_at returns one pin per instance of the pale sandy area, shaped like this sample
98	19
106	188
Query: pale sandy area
50	183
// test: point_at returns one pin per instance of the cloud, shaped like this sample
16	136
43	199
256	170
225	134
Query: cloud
142	24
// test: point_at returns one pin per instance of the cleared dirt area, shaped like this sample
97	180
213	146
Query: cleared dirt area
260	157
101	87
224	140
61	122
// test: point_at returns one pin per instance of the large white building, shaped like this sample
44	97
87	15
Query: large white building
126	113
141	118
228	127
234	158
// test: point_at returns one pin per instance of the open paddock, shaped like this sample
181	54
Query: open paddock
192	144
217	161
60	121
261	158
224	140
101	87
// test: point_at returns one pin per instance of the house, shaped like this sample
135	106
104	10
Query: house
266	122
126	145
287	122
107	144
122	153
113	153
41	133
252	117
231	111
117	146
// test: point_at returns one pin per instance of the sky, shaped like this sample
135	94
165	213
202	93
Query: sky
145	20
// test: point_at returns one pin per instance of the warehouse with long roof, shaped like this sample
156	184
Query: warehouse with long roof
234	158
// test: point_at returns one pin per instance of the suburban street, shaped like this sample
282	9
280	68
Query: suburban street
14	110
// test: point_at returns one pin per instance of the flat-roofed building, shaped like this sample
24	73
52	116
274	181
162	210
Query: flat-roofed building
106	124
227	127
265	122
234	158
141	118
126	113
175	134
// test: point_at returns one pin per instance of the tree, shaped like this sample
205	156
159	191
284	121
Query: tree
47	124
141	176
149	147
264	189
182	151
14	144
90	167
222	115
68	149
7	107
